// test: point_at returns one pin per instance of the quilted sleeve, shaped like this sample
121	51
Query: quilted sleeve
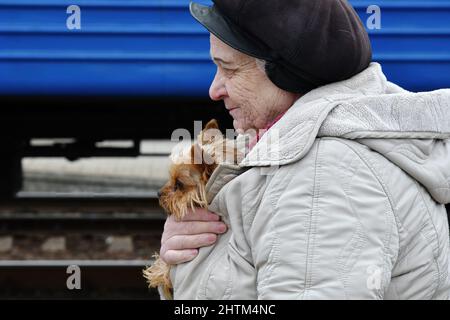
325	230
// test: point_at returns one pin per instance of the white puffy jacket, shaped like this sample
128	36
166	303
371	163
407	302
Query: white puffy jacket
343	198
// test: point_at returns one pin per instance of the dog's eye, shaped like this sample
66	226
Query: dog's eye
178	185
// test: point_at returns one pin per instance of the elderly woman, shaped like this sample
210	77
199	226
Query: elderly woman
343	197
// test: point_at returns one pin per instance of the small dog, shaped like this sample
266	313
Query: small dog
189	173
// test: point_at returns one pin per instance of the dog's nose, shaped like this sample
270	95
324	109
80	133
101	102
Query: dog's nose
159	193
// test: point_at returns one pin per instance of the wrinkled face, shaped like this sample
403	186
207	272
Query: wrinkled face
250	97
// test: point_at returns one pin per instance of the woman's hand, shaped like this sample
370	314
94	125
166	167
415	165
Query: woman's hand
181	239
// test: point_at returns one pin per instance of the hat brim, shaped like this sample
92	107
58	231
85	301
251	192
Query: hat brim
228	32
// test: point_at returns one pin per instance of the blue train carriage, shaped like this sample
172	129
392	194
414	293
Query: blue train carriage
132	69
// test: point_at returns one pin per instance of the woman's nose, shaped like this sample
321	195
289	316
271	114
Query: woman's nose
217	90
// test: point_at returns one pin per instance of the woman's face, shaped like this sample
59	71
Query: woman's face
250	97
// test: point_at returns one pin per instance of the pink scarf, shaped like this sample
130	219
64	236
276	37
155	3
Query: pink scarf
261	132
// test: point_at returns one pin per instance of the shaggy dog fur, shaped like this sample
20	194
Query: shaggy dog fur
188	175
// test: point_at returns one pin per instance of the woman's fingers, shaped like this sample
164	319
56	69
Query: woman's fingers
178	256
181	239
180	242
179	249
200	214
172	228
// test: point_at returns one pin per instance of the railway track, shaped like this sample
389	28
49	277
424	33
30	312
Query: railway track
99	279
108	241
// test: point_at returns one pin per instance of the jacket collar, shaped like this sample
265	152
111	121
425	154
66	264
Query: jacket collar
223	174
370	99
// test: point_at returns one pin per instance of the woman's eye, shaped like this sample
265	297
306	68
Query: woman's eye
227	71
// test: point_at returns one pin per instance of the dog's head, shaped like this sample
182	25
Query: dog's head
190	170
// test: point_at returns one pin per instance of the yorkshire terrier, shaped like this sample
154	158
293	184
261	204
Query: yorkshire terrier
189	173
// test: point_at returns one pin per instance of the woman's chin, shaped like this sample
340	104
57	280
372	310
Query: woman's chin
238	126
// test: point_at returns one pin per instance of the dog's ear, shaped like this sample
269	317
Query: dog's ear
199	156
210	133
212	124
203	161
196	154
